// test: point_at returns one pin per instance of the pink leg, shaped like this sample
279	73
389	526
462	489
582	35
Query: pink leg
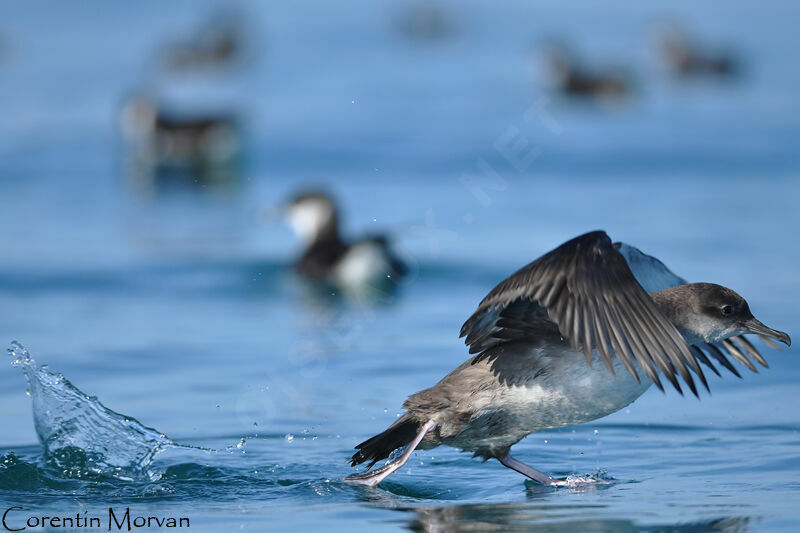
525	470
373	477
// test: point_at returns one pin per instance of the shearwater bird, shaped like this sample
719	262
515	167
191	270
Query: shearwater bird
573	79
314	217
563	341
163	144
218	42
687	58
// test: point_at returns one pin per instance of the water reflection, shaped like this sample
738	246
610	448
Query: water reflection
542	513
550	518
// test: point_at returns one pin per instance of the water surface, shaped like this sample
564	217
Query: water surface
177	308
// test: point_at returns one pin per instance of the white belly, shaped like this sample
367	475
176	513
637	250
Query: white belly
364	263
535	389
572	392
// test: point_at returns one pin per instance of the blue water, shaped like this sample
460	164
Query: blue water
176	307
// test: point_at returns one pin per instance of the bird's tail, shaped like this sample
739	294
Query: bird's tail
381	445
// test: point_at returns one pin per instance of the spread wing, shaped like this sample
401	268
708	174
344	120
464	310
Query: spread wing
653	275
585	290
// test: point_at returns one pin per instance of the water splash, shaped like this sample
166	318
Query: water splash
575	481
238	447
81	436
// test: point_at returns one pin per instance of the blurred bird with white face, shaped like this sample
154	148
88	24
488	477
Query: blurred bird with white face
353	266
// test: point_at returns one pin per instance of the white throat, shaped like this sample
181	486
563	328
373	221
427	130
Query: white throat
707	329
308	218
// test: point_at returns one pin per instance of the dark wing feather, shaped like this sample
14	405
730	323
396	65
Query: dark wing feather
653	275
587	291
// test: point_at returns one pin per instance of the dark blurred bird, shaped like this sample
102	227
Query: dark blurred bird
219	41
686	58
368	261
206	145
427	21
563	341
572	79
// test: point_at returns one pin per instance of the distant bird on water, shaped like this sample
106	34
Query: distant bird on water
686	58
573	79
563	341
328	258
207	144
218	42
426	21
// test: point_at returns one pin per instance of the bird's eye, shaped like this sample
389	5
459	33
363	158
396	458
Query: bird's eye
727	310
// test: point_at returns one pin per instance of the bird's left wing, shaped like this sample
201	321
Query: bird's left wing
653	275
586	292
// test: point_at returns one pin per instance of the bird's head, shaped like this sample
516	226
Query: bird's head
705	312
311	215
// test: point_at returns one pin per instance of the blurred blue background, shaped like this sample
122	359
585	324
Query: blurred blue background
166	294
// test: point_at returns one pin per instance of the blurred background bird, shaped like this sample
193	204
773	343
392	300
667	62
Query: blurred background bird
572	78
219	41
194	146
686	57
366	263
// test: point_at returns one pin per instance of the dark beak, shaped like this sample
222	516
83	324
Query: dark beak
754	326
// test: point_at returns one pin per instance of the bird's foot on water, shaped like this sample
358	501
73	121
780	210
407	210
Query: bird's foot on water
373	477
575	481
